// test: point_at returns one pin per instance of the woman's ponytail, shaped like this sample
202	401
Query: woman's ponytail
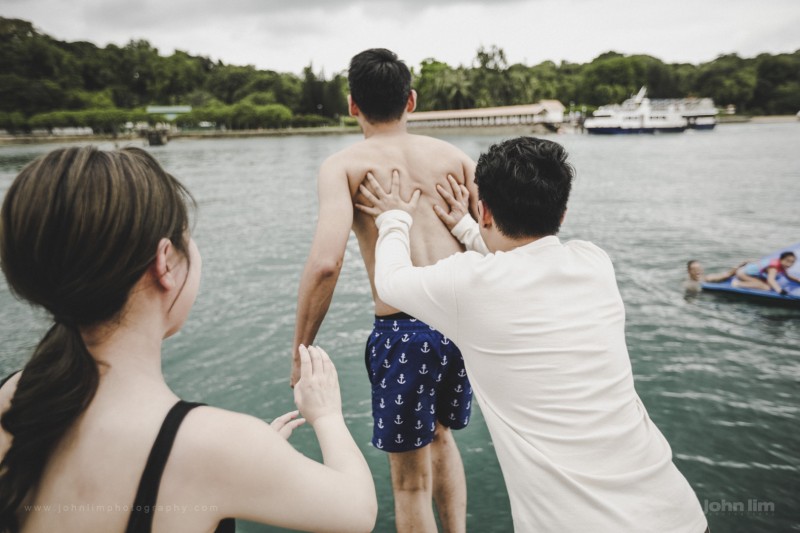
54	389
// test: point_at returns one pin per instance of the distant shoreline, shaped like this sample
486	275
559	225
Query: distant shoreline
330	130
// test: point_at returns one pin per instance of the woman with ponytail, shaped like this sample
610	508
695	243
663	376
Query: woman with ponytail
93	439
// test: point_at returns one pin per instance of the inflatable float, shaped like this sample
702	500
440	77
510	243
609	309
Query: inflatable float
791	299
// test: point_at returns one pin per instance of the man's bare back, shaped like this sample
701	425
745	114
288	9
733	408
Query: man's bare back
422	163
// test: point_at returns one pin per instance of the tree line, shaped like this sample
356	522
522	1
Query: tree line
46	83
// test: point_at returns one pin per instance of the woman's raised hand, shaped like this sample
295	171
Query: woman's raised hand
317	393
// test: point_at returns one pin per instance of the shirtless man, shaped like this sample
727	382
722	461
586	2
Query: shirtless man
697	275
419	385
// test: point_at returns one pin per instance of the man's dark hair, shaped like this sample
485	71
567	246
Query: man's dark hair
525	182
379	84
786	254
690	263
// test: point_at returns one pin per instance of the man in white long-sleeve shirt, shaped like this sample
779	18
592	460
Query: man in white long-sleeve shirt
541	327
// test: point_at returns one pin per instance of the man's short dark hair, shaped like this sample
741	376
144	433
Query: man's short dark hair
525	182
786	254
379	84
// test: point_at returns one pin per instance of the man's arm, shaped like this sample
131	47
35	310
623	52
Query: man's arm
324	261
427	293
722	276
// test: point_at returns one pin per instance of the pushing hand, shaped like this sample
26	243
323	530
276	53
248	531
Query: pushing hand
381	200
457	199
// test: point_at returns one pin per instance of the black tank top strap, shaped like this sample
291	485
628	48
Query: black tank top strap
141	519
11	375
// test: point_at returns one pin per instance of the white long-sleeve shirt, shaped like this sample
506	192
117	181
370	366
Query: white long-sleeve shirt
542	332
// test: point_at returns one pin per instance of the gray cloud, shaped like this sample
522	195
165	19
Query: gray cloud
287	35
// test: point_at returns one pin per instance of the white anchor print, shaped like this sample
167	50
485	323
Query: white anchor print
469	404
418	443
458	388
425	348
379	444
403	359
399	400
444	360
433	410
466	420
380	423
433	426
419	425
401	380
386	363
399	439
462	373
454	403
405	338
398	420
418	407
374	353
438	378
412	319
452	416
421	389
424	369
395	327
382	404
445	340
388	344
433	391
383	383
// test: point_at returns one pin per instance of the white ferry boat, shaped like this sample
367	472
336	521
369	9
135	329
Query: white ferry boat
640	114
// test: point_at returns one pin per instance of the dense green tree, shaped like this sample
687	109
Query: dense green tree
777	83
49	83
225	81
728	79
431	91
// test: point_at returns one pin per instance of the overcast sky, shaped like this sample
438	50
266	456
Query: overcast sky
286	35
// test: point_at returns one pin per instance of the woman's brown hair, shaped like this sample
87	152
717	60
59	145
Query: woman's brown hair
78	228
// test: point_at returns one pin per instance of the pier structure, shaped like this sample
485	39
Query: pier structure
549	113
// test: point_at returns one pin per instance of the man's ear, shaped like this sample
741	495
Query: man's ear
412	101
563	217
485	215
352	107
161	269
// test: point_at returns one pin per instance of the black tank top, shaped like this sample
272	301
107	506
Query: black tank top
141	520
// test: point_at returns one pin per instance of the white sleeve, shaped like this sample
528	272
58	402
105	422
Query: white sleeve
468	234
426	293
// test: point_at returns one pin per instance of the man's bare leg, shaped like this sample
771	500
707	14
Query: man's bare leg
412	484
449	482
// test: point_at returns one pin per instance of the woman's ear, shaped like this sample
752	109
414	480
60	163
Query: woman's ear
161	269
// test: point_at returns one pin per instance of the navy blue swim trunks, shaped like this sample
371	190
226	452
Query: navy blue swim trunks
417	377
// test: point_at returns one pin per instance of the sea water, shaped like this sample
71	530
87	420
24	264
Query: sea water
719	377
